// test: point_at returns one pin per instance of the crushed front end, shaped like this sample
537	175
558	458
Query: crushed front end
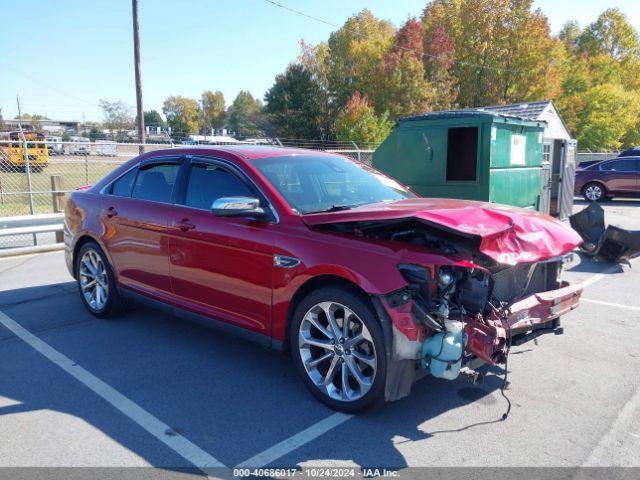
450	319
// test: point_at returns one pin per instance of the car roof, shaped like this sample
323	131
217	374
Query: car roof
248	152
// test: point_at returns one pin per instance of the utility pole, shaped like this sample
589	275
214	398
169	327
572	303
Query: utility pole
136	61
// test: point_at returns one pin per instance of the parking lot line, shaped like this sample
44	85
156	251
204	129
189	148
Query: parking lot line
292	443
609	304
179	444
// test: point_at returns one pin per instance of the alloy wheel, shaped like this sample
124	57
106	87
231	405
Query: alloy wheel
93	280
593	192
337	351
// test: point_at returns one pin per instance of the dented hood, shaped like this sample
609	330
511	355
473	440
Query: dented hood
507	235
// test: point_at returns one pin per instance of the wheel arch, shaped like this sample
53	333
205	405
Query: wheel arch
83	240
315	283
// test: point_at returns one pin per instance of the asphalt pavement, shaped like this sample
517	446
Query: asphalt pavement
149	389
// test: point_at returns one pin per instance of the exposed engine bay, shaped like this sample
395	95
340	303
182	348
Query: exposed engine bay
451	317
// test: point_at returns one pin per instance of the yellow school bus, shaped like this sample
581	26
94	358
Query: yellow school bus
12	152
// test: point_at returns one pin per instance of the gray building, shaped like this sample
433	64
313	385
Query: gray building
558	153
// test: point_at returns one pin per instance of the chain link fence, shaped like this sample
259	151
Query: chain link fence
38	182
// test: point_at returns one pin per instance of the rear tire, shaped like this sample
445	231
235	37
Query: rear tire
96	282
594	192
343	366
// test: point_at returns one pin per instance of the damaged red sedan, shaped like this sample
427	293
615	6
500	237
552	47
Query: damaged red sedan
366	285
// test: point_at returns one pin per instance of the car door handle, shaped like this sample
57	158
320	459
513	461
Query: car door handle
110	212
185	225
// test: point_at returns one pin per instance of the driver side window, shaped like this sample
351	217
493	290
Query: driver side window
208	182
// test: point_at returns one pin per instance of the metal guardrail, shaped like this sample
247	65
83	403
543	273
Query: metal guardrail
32	225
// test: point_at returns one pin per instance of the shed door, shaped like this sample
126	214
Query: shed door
567	178
545	190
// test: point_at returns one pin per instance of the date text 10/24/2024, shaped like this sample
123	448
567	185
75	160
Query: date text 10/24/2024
316	472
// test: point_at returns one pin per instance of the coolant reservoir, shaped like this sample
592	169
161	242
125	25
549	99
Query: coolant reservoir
442	353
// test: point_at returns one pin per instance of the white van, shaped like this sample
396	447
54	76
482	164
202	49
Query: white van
79	146
54	145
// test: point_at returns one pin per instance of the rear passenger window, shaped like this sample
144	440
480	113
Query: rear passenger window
156	182
620	166
122	187
208	182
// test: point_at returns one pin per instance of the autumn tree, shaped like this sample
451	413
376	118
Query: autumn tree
212	110
359	122
355	53
439	61
182	116
504	51
401	88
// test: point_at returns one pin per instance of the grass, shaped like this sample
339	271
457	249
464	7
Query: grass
72	175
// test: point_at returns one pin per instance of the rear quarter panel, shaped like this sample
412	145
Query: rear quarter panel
82	219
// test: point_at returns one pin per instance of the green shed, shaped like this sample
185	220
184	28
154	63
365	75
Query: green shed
470	154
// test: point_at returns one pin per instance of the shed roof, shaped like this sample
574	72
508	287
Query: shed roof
541	110
531	110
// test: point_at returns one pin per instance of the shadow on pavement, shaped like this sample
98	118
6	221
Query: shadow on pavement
230	397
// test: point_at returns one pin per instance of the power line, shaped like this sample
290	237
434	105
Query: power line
298	12
50	87
410	50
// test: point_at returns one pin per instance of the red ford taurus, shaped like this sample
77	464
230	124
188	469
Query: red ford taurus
367	285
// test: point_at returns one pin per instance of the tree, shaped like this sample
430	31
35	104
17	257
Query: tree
2	124
609	113
212	111
401	86
182	116
246	118
504	51
569	34
152	118
294	105
612	35
438	60
355	53
359	122
117	117
96	133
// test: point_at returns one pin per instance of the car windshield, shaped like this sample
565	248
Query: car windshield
315	183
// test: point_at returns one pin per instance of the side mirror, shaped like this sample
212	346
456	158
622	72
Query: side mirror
237	207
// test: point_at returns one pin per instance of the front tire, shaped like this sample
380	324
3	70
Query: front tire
96	282
338	348
594	192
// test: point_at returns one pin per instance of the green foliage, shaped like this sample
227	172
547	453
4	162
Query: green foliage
246	118
152	118
608	115
359	122
612	35
212	111
96	134
294	105
182	116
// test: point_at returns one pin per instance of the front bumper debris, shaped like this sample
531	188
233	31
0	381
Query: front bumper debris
612	243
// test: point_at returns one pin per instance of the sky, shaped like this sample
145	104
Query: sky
61	57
